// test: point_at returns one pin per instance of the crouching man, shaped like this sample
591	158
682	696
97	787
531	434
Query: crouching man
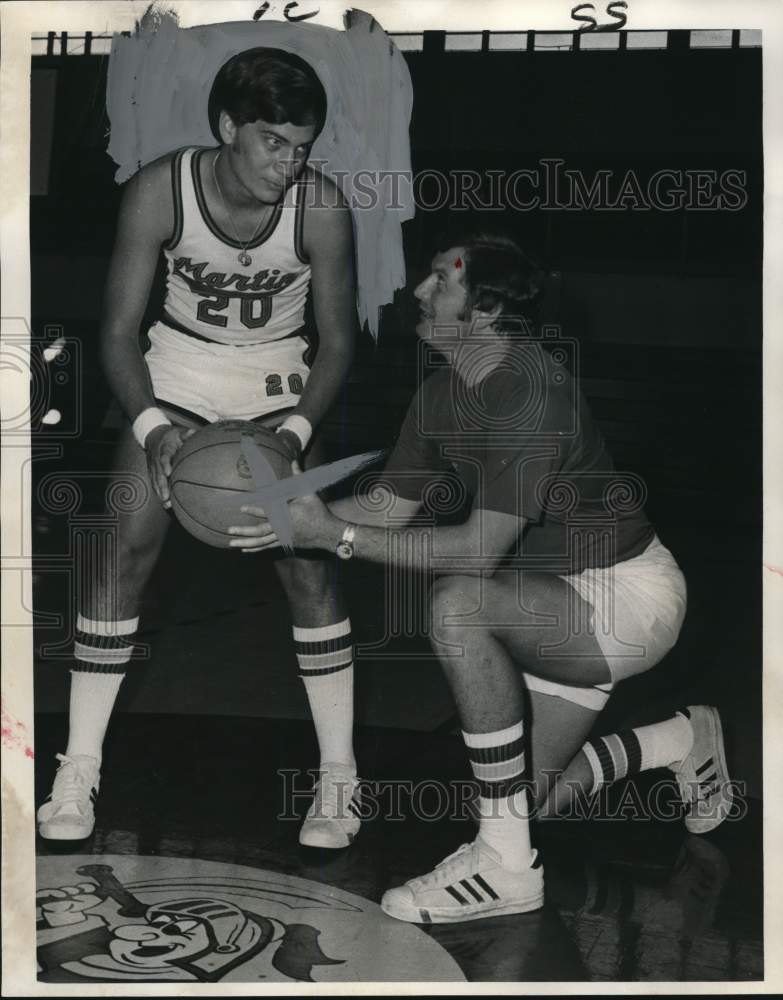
555	582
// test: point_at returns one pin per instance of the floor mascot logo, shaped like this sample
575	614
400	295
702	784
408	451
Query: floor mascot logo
152	919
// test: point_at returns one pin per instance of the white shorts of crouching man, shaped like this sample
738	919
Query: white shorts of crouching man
223	381
638	607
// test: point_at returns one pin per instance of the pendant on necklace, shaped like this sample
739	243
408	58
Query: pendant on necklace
245	259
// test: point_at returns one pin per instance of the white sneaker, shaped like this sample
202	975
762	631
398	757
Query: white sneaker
703	777
68	813
334	819
469	884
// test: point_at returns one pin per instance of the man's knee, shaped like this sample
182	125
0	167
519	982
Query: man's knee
542	592
136	558
140	537
456	601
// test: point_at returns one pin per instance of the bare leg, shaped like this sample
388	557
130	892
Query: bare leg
324	650
484	638
486	631
113	589
558	768
108	612
113	578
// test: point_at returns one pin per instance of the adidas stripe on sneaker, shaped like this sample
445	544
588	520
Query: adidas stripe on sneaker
703	776
469	884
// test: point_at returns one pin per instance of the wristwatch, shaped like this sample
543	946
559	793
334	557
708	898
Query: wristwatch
345	545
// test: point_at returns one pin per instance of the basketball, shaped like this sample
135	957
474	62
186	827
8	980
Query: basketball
211	476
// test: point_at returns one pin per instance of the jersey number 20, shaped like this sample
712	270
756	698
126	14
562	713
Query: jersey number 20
253	312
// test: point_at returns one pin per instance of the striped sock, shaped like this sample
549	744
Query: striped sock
102	651
325	656
498	762
634	750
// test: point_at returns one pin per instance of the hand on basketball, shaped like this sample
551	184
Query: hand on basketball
162	444
312	525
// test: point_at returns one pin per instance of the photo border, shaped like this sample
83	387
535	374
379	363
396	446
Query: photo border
19	22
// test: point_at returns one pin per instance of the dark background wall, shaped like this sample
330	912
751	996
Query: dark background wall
666	307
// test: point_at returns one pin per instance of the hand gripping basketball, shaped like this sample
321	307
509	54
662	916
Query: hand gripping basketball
161	445
212	477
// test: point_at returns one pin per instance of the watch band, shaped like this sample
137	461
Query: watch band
345	545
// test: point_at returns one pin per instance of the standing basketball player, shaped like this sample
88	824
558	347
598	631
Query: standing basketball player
248	229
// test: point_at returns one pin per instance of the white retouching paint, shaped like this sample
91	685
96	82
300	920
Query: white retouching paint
157	95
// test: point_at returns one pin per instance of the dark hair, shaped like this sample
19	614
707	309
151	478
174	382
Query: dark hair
270	84
499	273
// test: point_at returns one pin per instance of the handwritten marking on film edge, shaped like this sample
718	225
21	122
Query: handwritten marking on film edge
589	23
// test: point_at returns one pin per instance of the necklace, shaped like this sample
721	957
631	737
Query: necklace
243	257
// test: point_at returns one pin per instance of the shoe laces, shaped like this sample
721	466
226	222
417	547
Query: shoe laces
686	785
72	784
443	872
333	791
685	769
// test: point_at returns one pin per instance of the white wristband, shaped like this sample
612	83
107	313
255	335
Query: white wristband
300	426
147	421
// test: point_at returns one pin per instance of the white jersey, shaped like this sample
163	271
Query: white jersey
209	292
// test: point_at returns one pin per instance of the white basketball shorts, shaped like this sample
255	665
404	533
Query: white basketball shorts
224	382
638	608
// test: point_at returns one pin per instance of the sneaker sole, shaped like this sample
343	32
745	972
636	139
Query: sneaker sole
314	841
63	832
699	824
478	911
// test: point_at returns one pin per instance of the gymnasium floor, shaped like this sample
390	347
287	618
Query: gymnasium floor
626	900
197	784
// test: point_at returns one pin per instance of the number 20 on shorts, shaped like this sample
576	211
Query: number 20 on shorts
274	384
